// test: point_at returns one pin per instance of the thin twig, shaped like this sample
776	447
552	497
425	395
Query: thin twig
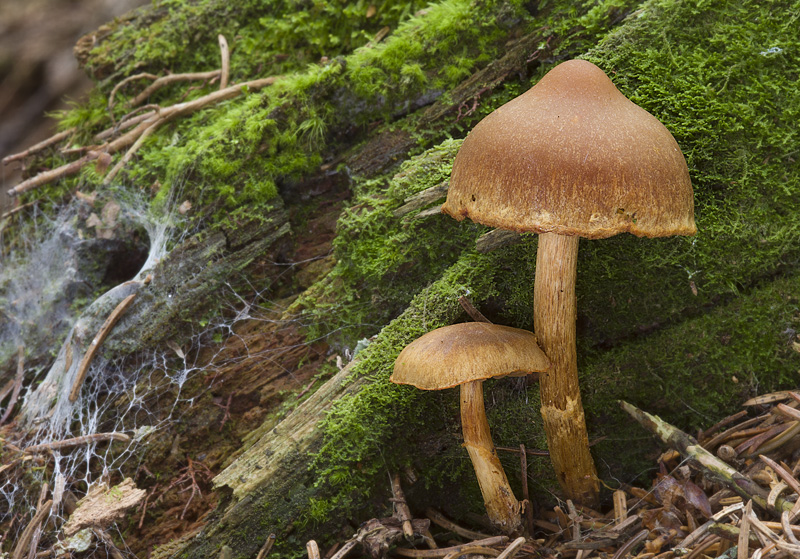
511	550
171	78
443	522
349	544
265	549
112	319
128	121
25	539
403	512
532	452
76	441
132	150
52	175
474	313
142	76
225	54
54	139
157	118
473	550
523	463
18	209
444	551
630	544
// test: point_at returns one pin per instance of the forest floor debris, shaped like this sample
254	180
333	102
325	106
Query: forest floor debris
739	503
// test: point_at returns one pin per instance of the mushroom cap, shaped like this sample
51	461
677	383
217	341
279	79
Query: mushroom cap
452	355
573	156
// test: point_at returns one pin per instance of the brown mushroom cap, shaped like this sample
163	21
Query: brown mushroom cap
453	355
573	156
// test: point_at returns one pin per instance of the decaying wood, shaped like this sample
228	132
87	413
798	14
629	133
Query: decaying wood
103	506
17	384
423	199
105	329
496	239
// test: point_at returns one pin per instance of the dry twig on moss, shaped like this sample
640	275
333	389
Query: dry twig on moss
54	139
146	127
225	55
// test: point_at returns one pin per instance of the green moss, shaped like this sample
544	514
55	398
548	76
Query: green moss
357	427
634	293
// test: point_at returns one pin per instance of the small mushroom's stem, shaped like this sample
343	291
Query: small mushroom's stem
501	505
554	316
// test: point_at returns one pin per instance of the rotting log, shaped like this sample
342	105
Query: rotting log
687	327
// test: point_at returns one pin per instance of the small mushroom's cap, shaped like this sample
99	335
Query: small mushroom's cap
573	156
460	353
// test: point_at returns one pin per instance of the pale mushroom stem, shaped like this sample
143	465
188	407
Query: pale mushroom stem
501	505
554	323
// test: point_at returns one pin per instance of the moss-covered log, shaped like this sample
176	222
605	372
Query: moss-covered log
684	327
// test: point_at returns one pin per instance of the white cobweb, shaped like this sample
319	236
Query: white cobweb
140	395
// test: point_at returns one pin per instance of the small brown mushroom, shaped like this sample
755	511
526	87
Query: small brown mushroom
465	355
570	158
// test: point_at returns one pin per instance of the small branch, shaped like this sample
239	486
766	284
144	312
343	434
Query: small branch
265	549
523	459
443	522
444	551
171	78
96	343
313	549
129	154
121	84
497	238
40	146
25	539
225	54
688	447
76	441
474	313
157	118
403	512
17	384
511	550
423	198
52	175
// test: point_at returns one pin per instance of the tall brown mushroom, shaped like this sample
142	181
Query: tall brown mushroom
465	355
570	158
